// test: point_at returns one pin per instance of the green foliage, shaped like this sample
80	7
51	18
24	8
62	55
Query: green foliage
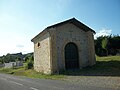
9	58
98	46
30	61
104	44
26	58
18	59
107	45
29	65
1	60
15	57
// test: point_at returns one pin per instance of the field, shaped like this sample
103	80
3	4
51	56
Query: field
105	66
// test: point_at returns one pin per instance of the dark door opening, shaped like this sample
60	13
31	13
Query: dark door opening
71	56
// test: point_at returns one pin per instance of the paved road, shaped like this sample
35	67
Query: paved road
9	82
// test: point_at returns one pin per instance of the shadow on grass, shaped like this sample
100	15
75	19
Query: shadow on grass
102	68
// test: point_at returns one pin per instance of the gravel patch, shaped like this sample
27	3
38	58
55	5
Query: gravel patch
98	81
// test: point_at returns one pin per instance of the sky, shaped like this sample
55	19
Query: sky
21	20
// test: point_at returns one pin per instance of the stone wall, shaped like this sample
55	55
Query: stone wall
91	48
42	54
53	50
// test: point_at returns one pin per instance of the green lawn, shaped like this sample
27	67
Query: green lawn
105	66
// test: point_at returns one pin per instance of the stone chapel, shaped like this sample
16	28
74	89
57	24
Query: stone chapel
65	45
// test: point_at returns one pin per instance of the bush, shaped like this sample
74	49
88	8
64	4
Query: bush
29	65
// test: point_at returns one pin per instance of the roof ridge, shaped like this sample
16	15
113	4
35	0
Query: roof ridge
61	22
74	21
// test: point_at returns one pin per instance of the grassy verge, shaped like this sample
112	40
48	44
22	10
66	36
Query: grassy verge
29	73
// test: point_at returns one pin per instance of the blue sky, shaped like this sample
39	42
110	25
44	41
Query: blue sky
21	20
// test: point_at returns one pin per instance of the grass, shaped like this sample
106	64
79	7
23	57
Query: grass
108	58
28	73
105	66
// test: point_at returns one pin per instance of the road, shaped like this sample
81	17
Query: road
9	82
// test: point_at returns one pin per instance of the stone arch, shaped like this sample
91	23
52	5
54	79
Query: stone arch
71	56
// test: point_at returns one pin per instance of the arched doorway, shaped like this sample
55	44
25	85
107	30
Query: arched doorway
71	56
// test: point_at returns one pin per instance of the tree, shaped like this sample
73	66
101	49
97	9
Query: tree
98	46
104	44
107	45
2	60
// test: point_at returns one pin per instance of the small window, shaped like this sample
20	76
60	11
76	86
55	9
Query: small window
38	44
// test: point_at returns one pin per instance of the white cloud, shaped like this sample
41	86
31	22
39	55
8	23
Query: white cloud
19	46
103	32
